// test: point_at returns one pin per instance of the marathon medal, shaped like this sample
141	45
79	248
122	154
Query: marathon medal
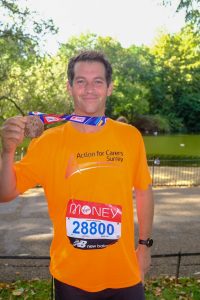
34	127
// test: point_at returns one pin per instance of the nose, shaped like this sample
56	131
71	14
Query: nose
89	87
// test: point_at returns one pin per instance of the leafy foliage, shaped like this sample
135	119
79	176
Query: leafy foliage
177	73
152	124
19	52
192	11
161	81
34	289
169	288
156	288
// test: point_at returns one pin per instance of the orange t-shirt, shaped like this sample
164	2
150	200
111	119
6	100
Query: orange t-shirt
88	180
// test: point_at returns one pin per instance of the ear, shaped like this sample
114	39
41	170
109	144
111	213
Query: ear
69	88
110	89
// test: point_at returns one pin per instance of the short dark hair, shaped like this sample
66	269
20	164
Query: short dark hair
122	119
89	55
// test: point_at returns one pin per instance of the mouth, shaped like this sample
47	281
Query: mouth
90	99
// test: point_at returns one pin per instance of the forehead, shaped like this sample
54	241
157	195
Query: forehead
89	69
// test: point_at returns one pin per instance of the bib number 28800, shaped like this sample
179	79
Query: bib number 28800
93	228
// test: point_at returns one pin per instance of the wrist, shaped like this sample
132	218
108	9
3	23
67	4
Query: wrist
7	155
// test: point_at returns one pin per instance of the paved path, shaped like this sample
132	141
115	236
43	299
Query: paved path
26	230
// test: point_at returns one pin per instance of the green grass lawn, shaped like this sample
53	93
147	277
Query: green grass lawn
168	289
161	288
173	145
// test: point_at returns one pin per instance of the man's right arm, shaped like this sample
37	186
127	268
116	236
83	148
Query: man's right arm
12	134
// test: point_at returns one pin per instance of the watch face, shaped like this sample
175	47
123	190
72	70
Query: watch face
149	242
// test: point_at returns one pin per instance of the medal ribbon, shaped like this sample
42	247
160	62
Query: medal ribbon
53	118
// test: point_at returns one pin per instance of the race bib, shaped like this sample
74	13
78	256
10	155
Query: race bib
93	225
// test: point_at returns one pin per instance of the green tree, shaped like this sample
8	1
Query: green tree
19	51
177	74
192	11
133	92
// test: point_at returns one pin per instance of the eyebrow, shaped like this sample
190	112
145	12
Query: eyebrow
82	77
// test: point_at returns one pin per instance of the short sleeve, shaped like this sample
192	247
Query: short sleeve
29	171
142	178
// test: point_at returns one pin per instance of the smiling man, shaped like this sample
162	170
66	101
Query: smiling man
89	88
88	173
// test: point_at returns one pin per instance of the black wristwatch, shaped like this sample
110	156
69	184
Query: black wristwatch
148	242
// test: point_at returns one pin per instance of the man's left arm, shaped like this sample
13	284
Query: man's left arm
145	213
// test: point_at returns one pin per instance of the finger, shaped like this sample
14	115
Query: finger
9	132
16	121
22	122
13	131
16	124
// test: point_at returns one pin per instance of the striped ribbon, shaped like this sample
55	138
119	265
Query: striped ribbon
53	118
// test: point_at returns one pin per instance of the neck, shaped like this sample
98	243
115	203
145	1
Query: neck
85	128
78	113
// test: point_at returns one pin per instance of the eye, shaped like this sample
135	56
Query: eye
98	82
80	82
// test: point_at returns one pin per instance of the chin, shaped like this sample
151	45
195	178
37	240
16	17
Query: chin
91	112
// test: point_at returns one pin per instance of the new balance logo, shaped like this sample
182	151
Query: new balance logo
80	244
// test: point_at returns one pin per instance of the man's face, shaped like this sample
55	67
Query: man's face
89	89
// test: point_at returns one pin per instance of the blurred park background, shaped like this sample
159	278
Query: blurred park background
156	87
